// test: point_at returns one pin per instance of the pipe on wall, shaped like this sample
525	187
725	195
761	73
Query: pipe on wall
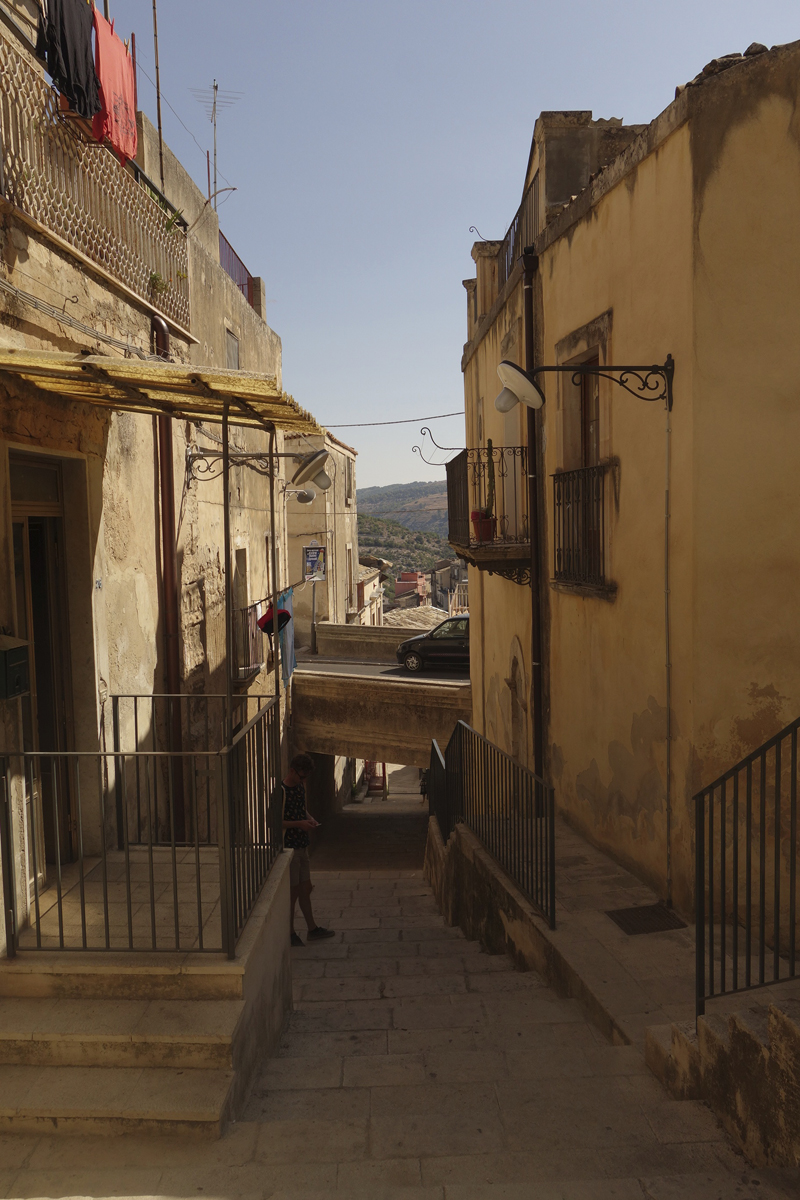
530	265
169	559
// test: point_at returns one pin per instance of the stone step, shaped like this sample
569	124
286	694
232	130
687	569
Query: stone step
41	974
113	1100
197	1035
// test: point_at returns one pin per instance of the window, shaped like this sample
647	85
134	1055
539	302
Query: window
349	480
452	629
350	580
590	417
231	351
579	492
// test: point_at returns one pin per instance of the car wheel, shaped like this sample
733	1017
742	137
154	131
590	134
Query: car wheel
412	661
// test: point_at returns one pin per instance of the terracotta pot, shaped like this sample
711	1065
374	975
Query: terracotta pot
483	527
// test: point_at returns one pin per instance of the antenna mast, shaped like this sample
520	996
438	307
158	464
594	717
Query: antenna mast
212	100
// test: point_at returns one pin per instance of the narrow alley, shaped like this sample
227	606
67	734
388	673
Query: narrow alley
416	1065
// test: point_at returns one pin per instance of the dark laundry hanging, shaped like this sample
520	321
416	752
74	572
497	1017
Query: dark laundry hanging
65	43
116	120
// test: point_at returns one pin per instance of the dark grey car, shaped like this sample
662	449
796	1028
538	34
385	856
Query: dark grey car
445	646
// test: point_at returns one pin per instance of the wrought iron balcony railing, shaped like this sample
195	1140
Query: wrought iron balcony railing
487	497
233	266
249	640
579	526
78	191
521	233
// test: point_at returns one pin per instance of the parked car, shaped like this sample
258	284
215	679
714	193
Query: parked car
445	646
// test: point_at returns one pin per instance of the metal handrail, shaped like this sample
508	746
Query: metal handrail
746	872
510	809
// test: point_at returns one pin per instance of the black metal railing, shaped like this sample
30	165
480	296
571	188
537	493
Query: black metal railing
233	266
521	233
746	857
248	640
511	810
252	830
579	525
487	496
138	847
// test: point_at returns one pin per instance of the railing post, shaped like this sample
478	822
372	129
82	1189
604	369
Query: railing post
551	854
225	853
7	861
700	906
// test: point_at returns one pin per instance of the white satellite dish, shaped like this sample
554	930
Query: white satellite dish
312	468
517	387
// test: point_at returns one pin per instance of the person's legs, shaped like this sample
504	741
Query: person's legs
304	896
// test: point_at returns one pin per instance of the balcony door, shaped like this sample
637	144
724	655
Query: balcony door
42	620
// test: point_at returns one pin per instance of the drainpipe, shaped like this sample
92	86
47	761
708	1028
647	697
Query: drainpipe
530	264
169	551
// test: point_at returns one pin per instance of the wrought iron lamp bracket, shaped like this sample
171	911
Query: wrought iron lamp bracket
651	383
207	464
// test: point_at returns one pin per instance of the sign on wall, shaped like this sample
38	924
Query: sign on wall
314	564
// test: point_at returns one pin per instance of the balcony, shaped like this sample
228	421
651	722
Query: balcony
233	266
248	642
579	527
487	509
77	192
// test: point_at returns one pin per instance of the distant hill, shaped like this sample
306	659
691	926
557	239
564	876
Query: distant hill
406	549
418	506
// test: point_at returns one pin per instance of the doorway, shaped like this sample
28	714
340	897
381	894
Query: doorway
37	512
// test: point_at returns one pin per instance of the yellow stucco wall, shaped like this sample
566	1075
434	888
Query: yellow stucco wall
694	251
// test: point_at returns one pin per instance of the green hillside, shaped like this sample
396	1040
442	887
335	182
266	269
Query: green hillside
406	549
418	506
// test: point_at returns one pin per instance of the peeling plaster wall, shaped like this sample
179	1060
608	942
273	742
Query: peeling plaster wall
112	514
688	243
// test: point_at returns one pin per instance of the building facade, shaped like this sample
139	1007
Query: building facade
666	569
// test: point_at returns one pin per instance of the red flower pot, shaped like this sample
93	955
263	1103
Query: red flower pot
484	527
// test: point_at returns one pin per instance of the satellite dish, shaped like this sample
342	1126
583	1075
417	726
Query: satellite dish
305	496
311	468
518	386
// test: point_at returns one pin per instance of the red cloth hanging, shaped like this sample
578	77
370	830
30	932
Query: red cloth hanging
117	117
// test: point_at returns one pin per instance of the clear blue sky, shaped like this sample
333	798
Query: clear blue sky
372	134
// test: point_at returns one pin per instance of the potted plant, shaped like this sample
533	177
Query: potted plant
484	524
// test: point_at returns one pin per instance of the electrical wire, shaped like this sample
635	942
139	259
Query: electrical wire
203	151
405	421
64	318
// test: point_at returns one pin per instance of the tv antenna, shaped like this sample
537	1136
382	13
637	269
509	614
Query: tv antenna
212	99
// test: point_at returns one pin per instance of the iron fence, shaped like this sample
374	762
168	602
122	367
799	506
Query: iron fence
487	496
252	816
78	191
579	525
138	847
511	810
233	266
521	233
746	856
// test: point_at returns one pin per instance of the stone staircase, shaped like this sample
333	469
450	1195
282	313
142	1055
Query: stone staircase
746	1066
122	1043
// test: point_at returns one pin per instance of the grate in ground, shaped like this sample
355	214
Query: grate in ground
646	918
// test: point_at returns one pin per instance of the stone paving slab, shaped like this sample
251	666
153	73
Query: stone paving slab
417	1067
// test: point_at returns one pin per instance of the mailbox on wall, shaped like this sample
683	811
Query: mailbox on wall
14	672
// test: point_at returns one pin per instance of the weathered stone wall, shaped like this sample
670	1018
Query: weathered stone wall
372	643
385	720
